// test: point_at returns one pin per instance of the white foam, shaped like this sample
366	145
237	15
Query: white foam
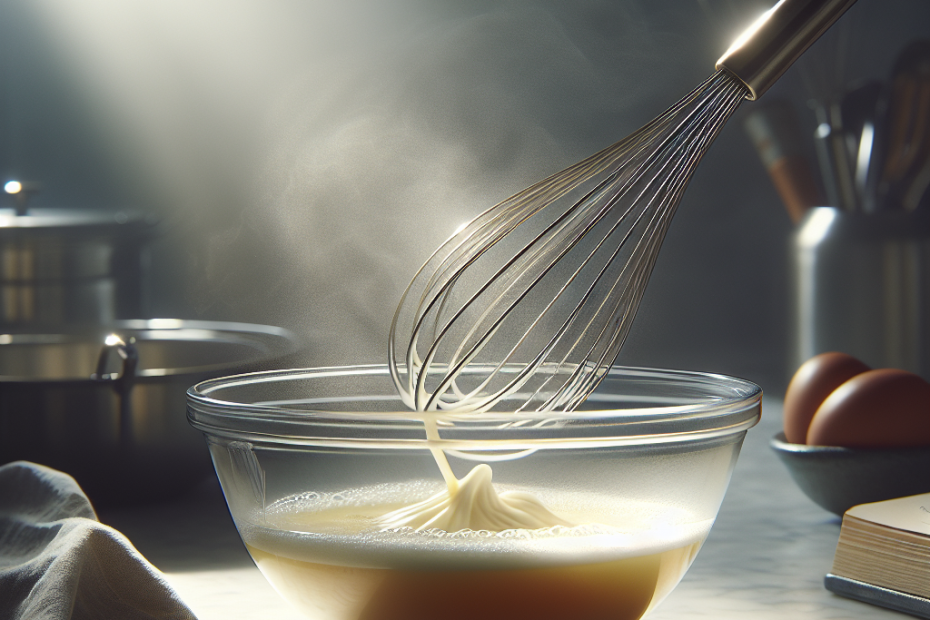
342	529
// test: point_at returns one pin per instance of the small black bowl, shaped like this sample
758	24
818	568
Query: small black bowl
837	479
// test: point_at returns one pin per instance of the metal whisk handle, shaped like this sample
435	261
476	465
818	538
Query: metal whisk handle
765	50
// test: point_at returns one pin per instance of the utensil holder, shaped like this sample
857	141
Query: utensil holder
861	286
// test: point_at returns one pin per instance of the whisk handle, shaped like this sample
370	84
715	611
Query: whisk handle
765	50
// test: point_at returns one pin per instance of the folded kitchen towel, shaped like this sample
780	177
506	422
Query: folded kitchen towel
57	562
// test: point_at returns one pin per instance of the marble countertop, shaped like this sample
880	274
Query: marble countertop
765	558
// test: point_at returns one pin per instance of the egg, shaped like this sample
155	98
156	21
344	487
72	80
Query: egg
884	408
813	382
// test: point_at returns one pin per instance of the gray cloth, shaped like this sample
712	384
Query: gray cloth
58	562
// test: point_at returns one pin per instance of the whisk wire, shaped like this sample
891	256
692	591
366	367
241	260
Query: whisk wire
525	203
591	360
625	302
576	389
539	245
630	190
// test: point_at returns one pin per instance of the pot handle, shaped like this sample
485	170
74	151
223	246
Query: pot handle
122	383
126	349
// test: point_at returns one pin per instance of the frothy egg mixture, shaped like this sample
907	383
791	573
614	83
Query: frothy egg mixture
470	550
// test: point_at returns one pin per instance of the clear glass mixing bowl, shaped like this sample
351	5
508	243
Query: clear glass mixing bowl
308	459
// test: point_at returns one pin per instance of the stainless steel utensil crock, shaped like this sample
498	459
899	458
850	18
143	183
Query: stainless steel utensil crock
861	285
107	404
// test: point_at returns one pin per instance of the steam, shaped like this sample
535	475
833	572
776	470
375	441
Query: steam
310	155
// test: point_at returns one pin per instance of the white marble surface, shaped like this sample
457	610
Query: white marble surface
769	550
765	558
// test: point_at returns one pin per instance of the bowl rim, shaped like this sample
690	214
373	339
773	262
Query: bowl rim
729	407
780	443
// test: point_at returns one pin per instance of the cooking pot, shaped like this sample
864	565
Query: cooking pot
66	266
107	404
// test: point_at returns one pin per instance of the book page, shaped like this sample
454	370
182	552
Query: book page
911	514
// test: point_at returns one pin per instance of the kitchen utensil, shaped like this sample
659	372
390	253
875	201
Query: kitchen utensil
552	277
775	132
906	170
836	479
862	115
644	462
825	139
823	75
61	266
836	161
103	403
825	159
860	284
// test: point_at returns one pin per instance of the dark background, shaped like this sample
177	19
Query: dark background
306	156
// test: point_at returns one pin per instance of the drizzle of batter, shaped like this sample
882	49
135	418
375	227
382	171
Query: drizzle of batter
474	505
471	503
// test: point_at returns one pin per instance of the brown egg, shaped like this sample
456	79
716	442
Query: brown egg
885	408
810	386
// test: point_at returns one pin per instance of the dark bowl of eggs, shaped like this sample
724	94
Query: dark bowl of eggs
855	435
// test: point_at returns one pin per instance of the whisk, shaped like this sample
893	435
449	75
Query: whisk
527	305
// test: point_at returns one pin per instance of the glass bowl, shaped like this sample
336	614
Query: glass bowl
310	459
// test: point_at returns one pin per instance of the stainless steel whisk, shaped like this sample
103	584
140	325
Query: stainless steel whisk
530	302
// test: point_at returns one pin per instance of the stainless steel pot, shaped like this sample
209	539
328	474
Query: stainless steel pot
61	266
107	404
